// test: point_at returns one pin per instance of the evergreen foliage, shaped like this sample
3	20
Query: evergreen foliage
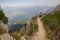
3	17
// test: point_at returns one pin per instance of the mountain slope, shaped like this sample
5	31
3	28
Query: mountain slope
52	24
57	9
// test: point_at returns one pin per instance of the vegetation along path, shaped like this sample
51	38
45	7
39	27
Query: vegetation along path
41	35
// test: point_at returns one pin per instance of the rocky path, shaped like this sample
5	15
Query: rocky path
41	35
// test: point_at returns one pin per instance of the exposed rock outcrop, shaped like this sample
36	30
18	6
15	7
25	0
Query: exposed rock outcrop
29	26
3	27
6	36
26	29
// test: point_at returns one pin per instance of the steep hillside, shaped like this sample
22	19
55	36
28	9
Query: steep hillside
52	24
6	36
34	29
57	9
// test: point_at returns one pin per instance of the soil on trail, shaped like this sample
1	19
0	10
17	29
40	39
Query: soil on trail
41	34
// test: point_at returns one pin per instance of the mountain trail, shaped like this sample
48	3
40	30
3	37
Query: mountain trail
41	34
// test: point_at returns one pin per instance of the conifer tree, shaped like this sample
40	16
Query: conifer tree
3	18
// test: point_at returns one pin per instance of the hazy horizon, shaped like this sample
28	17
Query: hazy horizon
25	7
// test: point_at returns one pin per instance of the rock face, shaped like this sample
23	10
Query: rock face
6	36
40	35
26	29
3	27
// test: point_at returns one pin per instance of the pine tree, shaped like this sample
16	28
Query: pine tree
3	17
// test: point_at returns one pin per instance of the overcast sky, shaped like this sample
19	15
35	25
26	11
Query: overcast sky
28	3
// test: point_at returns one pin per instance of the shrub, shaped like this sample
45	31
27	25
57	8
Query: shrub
52	22
16	35
3	17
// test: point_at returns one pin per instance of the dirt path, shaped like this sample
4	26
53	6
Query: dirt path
41	35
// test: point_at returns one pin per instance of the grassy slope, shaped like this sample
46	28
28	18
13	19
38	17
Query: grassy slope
52	23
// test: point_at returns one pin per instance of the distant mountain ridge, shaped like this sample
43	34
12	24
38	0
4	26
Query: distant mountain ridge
27	12
14	27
